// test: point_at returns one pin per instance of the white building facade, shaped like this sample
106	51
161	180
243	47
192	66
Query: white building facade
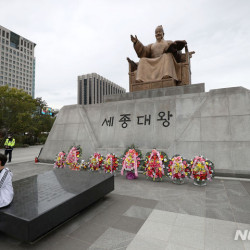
92	88
17	62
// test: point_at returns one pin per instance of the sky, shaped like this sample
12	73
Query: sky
77	37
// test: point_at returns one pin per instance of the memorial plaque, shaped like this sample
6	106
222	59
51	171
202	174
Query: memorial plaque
44	201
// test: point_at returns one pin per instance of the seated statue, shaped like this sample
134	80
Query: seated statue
158	60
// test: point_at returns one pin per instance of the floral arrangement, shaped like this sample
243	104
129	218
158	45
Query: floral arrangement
95	162
202	169
60	160
131	162
178	168
154	164
110	163
84	165
73	158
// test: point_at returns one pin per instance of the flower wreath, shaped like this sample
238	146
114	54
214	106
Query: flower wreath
60	160
202	169
95	162
154	164
84	165
110	163
73	158
178	168
131	161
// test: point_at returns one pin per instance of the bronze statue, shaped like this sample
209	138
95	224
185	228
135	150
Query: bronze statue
158	60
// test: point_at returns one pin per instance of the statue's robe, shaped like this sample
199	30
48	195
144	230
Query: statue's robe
155	64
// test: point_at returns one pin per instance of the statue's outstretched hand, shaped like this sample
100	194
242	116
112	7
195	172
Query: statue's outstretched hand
133	38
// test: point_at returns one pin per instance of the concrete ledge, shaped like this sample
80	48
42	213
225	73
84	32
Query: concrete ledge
232	173
168	91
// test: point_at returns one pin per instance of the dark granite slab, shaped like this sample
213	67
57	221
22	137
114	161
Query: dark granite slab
44	201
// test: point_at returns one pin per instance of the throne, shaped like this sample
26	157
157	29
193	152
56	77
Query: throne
183	59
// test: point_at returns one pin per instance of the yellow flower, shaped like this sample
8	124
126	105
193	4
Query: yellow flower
170	173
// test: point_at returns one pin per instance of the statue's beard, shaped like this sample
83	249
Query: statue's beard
158	38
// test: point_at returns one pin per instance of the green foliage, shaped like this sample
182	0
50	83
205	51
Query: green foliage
16	109
21	116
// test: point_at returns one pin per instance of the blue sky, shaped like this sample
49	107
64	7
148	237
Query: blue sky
76	37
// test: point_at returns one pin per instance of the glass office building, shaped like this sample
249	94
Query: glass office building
92	88
17	63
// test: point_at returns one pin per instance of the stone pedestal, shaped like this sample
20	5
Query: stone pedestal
178	120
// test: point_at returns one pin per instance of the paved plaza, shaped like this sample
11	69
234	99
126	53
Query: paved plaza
142	214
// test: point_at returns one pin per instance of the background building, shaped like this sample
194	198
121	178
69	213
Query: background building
92	88
17	61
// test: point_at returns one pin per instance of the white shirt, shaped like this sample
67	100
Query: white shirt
6	188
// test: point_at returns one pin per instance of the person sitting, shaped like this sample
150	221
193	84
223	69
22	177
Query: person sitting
6	188
158	60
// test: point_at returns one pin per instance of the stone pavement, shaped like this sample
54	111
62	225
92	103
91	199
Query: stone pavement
142	214
24	154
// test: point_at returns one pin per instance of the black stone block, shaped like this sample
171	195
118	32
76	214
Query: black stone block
44	201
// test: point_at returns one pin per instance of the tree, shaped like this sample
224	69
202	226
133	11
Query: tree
16	110
21	115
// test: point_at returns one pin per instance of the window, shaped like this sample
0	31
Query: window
100	91
90	94
3	33
85	91
97	90
94	90
7	35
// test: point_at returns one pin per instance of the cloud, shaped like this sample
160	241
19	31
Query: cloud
80	37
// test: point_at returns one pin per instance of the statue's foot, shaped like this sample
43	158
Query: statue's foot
139	80
166	77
